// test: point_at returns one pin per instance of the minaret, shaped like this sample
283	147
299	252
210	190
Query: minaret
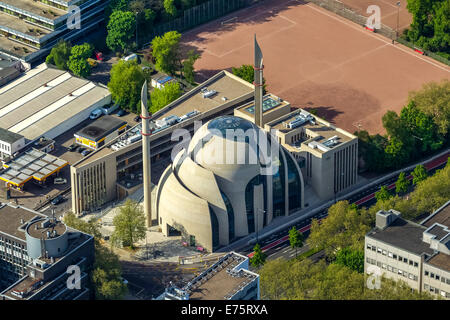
258	83
146	156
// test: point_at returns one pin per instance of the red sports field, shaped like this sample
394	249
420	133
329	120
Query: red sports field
316	59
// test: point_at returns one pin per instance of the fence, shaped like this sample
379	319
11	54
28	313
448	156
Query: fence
348	13
198	15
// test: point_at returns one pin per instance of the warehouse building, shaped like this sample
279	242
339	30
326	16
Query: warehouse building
46	102
100	132
35	254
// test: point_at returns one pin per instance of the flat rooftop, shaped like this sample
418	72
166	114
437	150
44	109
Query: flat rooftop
270	103
8	136
218	282
441	261
14	47
20	25
44	98
404	235
441	216
101	127
10	217
36	7
226	84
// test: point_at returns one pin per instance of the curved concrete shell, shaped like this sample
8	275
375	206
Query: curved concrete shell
216	191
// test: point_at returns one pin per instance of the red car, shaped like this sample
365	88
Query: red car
98	55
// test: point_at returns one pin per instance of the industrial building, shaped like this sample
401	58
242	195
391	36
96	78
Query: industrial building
418	254
227	279
46	102
100	132
30	28
96	179
35	253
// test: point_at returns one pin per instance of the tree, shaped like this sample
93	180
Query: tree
162	97
353	259
59	55
188	66
166	51
344	226
382	194
434	100
295	239
125	85
402	184
419	174
106	274
121	28
78	63
170	8
259	258
129	225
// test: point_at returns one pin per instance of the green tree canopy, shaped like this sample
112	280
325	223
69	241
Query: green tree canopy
125	85
166	51
382	194
259	258
59	55
434	100
188	66
106	274
170	8
344	227
295	239
353	259
419	174
129	225
121	28
162	97
402	184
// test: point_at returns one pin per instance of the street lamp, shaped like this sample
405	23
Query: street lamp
398	17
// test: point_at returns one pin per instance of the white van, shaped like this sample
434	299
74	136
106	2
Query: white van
96	113
131	57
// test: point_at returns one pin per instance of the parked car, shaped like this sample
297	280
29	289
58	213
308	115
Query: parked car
131	57
72	147
121	113
60	180
98	55
81	149
137	118
110	108
86	152
96	114
58	200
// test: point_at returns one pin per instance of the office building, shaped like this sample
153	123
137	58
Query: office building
100	132
418	254
35	254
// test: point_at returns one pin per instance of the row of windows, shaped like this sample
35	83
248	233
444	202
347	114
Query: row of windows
392	255
436	291
393	269
5	147
437	277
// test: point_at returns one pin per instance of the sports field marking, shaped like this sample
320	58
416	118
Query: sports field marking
293	24
335	67
380	38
